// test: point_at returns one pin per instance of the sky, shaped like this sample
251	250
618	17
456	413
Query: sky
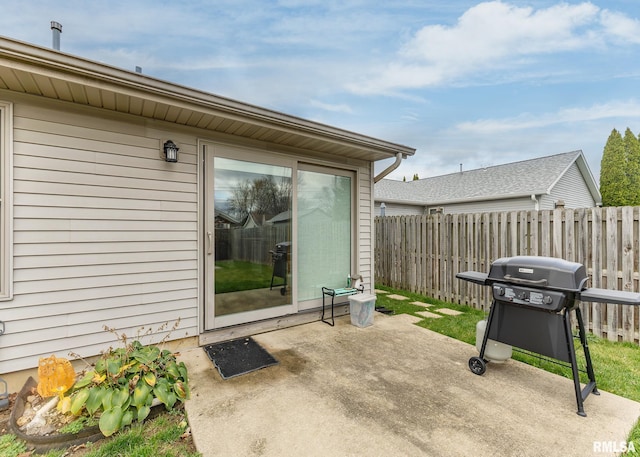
466	83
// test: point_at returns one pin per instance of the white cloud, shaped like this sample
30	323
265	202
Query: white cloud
494	37
615	109
335	108
621	27
494	30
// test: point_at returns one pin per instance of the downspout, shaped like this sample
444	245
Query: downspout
536	204
390	168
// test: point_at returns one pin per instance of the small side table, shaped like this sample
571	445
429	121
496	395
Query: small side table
333	293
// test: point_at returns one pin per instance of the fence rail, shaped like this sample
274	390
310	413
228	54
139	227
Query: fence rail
423	254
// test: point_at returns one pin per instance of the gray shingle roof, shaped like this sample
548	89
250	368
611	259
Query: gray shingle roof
534	176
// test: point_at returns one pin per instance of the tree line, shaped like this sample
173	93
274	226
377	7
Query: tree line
620	170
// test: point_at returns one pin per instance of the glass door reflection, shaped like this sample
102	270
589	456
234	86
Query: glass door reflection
252	236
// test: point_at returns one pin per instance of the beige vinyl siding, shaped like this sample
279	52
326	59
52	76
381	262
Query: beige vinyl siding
364	226
6	200
105	232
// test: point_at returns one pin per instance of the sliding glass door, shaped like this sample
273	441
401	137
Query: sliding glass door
276	232
251	239
325	231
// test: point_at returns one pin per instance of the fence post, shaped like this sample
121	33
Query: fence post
612	270
628	256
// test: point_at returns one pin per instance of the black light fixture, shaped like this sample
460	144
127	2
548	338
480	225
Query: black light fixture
170	151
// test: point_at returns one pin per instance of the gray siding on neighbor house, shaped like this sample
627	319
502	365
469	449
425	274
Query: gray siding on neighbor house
511	204
572	189
105	233
398	209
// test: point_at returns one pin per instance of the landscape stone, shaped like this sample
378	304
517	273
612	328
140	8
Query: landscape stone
428	314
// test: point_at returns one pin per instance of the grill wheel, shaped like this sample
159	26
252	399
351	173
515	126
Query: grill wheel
477	365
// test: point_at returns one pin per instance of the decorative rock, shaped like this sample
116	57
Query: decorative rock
26	417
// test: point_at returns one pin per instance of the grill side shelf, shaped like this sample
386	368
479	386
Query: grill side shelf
475	277
610	296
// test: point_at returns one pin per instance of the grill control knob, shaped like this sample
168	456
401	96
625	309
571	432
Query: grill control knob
547	300
500	291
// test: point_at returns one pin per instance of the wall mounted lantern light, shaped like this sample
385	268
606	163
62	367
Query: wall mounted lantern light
170	151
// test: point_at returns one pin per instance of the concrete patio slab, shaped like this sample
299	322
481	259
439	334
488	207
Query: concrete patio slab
392	389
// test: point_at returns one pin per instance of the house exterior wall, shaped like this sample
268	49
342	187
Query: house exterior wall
106	233
511	204
572	189
397	209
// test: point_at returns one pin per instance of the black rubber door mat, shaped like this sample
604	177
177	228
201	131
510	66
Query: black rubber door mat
238	357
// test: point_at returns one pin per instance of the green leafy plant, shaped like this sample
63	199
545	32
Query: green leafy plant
77	425
125	383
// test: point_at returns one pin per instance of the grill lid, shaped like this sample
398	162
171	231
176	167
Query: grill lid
543	272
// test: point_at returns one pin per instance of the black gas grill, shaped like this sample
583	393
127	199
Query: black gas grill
531	309
280	259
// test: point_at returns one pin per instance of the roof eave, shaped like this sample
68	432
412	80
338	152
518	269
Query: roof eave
49	63
459	200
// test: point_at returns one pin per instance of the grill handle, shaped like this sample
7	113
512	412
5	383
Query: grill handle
526	282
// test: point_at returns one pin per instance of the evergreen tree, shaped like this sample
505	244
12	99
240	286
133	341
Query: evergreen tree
613	177
632	155
415	177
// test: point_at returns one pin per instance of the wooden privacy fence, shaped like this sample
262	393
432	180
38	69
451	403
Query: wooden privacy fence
422	254
250	244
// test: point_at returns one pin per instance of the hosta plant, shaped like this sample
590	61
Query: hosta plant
125	383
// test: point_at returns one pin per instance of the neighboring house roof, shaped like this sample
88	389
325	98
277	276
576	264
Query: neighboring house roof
517	179
35	70
284	216
222	215
255	219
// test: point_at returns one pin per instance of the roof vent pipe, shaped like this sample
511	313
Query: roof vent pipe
56	30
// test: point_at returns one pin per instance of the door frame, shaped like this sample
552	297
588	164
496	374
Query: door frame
207	150
211	150
332	169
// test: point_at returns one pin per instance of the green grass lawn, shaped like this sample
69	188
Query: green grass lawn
234	275
616	365
162	436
